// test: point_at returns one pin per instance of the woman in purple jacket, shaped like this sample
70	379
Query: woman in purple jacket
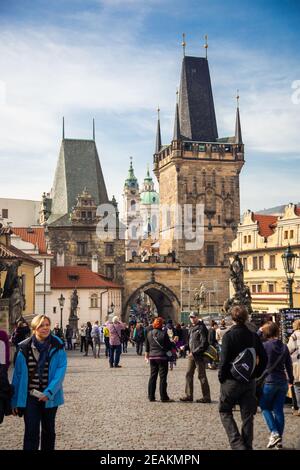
276	383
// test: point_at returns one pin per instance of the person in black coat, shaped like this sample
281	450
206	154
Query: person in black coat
158	345
6	390
233	392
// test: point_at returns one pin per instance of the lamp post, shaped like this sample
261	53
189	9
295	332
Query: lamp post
289	263
61	301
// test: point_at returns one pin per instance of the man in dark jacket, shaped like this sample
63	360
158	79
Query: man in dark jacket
196	346
233	392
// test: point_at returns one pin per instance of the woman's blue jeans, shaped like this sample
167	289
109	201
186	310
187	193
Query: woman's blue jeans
271	404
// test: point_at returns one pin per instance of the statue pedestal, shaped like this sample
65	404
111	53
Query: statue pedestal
4	315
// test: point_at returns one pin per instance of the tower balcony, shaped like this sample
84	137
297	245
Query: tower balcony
224	151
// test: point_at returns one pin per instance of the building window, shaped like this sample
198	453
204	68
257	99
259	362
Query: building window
249	238
254	289
245	239
109	249
259	288
81	248
271	288
132	206
254	262
5	213
272	262
109	271
286	234
219	219
89	214
210	255
83	214
261	262
245	264
94	301
291	233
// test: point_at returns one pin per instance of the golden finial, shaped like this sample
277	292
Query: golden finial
206	45
183	43
237	98
177	95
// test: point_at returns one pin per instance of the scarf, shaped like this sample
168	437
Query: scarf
43	349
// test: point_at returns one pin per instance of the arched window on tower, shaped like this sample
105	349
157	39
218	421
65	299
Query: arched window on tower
133	206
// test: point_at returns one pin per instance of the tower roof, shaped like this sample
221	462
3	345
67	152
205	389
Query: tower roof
196	104
158	134
131	180
238	130
176	133
78	167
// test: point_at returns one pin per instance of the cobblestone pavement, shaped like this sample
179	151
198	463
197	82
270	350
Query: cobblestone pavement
108	409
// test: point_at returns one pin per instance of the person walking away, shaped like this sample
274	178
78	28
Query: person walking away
115	348
196	346
275	384
125	337
157	346
139	338
234	391
69	336
294	349
106	340
38	378
212	340
185	340
57	331
82	338
6	389
95	334
220	332
88	338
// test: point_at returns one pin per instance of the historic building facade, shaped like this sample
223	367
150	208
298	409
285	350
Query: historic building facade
71	215
141	214
196	168
260	242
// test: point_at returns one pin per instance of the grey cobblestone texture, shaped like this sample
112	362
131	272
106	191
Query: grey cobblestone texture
108	409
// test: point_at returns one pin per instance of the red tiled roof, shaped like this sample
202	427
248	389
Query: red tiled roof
60	278
11	252
266	224
34	235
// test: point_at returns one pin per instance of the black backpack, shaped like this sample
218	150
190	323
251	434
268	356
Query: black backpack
243	365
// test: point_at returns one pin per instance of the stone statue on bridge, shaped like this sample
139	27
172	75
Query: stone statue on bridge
242	295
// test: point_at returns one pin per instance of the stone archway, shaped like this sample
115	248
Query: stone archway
165	300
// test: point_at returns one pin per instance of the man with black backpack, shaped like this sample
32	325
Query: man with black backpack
197	345
242	359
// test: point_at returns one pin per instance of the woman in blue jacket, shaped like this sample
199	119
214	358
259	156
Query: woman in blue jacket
38	376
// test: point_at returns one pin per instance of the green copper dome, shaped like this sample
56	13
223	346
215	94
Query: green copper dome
131	181
149	197
148	193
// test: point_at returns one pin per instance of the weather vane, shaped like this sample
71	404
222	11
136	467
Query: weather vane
206	45
183	43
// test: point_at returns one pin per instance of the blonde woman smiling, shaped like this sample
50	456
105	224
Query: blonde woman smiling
38	377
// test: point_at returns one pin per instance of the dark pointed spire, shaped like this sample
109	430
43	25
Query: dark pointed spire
238	132
158	134
176	134
94	129
63	128
196	104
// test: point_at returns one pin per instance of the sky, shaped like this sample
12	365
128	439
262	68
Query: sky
117	60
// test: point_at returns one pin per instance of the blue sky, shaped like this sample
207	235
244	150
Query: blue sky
116	60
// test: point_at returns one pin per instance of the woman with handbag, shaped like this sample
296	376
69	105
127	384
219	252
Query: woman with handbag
275	386
38	377
294	348
158	352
